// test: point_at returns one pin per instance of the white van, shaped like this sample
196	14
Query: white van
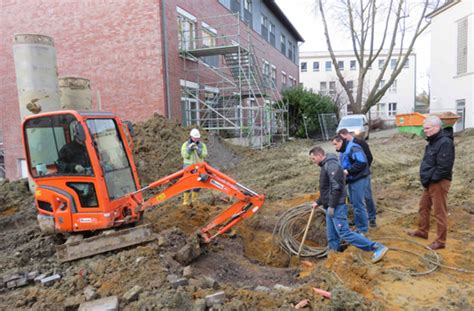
356	124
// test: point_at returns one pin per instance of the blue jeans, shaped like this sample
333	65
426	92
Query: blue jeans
357	191
369	200
337	229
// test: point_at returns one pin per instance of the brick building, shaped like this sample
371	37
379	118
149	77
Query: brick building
167	56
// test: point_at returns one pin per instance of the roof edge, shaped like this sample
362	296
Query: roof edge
443	8
275	9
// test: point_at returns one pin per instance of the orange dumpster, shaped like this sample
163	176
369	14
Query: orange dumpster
413	122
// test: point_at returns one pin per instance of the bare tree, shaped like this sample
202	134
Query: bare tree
375	27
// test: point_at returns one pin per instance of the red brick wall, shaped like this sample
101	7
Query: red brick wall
116	44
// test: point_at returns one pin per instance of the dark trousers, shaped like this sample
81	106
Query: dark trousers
435	197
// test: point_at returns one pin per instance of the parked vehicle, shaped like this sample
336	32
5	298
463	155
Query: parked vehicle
357	124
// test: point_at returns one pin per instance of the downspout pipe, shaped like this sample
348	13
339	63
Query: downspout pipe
165	57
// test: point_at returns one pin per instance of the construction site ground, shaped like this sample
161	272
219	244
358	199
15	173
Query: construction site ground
247	265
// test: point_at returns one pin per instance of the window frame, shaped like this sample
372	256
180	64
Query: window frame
340	64
304	66
353	62
326	67
316	68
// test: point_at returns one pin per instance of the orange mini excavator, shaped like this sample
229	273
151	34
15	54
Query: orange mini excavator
86	179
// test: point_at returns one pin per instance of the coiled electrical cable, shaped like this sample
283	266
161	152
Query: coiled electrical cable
290	227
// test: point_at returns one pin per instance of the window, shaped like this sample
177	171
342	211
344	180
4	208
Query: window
274	75
461	112
381	110
328	66
113	158
393	63
462	47
381	84
332	87
392	109
323	87
186	30
350	85
315	66
266	69
272	34
248	12
283	44
381	63
266	72
292	81
189	102
340	65
353	65
407	63
283	78
304	66
264	26
248	5
53	146
294	55
235	6
290	50
208	36
393	87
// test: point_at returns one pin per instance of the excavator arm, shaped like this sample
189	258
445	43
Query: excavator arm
202	175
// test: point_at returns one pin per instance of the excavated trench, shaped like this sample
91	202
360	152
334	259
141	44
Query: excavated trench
247	264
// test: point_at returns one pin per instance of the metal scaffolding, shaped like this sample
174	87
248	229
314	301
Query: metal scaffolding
226	87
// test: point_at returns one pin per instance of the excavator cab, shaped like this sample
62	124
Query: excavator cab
83	168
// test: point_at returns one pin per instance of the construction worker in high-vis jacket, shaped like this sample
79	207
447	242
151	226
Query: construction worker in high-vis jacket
193	151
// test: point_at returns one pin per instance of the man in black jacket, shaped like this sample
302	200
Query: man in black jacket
73	157
332	196
436	171
369	200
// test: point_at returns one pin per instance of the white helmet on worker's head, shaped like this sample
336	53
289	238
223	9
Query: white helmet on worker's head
195	133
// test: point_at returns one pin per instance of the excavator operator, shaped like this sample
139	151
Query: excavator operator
193	151
73	157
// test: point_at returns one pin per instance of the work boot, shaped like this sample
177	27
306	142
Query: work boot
186	201
195	197
372	223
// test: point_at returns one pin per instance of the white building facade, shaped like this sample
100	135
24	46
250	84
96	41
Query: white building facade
452	61
318	73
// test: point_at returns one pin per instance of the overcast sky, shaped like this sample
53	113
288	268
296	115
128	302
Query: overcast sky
302	15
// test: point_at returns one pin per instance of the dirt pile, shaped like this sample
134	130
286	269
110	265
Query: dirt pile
157	148
16	204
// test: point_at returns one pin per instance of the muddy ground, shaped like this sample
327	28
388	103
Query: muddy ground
247	265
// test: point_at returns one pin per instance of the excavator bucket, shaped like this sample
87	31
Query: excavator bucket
104	243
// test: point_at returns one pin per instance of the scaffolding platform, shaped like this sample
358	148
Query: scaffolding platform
216	50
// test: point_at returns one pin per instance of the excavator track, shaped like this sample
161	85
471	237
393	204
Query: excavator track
104	243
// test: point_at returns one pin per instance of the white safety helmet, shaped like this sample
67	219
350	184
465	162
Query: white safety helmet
195	133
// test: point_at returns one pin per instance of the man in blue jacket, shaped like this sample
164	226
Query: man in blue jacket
369	200
356	170
332	197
